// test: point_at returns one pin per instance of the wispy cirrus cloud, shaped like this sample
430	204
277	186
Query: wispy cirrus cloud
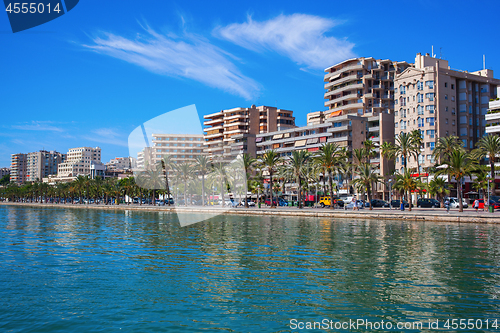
38	126
190	57
108	136
300	37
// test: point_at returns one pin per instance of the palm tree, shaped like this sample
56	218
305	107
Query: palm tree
245	163
481	182
406	183
460	164
417	144
270	160
488	147
437	187
366	177
330	158
185	173
297	164
444	147
203	167
167	165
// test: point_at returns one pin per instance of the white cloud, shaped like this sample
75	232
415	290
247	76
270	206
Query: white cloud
38	126
108	136
191	57
300	37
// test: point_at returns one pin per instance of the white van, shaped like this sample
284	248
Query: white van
454	203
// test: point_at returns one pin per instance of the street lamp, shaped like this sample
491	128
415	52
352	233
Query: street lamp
488	179
390	194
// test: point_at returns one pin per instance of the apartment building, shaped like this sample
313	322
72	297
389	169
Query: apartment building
183	148
493	118
439	101
18	168
4	172
42	163
233	131
120	163
78	162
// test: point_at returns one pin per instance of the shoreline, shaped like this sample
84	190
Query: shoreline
421	215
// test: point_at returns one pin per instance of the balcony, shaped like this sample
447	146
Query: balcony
353	77
212	122
374	129
343	98
344	69
339	139
356	106
344	88
338	129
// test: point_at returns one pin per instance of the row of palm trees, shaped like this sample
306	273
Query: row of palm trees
300	169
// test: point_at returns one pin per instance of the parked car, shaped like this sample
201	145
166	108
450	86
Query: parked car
250	202
397	204
357	203
231	203
454	203
428	203
325	201
280	202
495	205
379	203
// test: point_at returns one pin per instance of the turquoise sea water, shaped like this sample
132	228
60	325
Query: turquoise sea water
77	270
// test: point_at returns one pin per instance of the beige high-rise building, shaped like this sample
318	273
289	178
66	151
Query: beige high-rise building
364	87
18	168
183	148
438	102
230	132
42	163
78	162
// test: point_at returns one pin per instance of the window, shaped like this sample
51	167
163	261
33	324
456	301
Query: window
463	131
453	98
453	111
446	84
463	119
446	122
445	96
430	84
420	122
420	85
430	96
470	121
452	86
420	109
431	145
431	133
430	121
420	98
453	123
429	108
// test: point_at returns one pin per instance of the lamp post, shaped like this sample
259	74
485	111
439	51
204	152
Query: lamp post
488	179
390	194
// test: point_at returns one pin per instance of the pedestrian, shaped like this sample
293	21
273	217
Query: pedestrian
447	205
353	201
476	205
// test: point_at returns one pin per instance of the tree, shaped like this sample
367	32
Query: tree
5	180
443	149
167	164
330	158
459	165
488	147
245	162
366	177
297	164
405	183
185	173
437	187
270	160
417	144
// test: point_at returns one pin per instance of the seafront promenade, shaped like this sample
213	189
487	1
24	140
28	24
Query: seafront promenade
469	215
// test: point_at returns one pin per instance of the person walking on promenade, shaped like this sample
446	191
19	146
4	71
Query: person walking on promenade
476	205
447	205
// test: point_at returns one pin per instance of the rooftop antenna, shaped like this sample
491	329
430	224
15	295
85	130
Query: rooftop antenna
432	53
440	53
484	61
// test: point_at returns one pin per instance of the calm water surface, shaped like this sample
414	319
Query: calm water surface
77	270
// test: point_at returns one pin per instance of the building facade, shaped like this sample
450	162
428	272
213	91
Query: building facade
438	102
493	117
120	163
233	131
18	168
4	172
183	148
42	163
78	162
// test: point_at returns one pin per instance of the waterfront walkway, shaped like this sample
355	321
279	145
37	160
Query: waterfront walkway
469	215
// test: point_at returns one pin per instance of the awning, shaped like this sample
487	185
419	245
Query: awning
313	149
300	143
334	77
287	135
335	114
258	139
312	141
322	139
277	136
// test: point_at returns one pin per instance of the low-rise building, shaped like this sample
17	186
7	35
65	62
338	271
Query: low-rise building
120	163
79	162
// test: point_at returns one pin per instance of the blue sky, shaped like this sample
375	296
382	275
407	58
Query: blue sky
91	76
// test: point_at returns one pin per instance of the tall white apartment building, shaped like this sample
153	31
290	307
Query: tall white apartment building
182	148
78	162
